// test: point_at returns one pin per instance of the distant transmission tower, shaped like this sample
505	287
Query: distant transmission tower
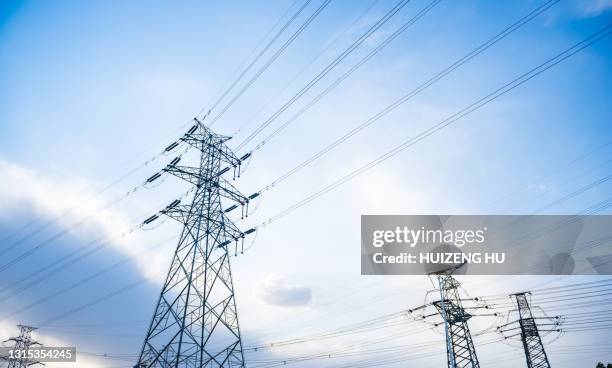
22	343
195	323
460	351
532	343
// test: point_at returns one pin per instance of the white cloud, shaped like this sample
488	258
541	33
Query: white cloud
595	7
276	290
22	189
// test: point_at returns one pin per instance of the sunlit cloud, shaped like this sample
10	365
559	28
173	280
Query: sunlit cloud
278	291
22	189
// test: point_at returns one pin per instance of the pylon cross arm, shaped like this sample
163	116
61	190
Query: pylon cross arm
208	141
189	174
227	190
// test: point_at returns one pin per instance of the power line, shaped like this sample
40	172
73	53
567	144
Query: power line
225	90
261	52
452	118
367	34
93	302
120	263
271	60
591	284
81	221
98	193
440	75
63	232
31	251
357	327
534	12
158	155
278	94
73	258
348	73
558	169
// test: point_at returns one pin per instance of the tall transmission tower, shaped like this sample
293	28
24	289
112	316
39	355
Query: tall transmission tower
22	343
195	323
460	351
530	336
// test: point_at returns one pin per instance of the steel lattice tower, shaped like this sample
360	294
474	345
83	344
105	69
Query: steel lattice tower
23	342
532	343
195	323
460	351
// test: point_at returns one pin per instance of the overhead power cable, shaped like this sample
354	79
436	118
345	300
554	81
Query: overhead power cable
101	191
440	75
156	156
554	171
348	73
56	267
567	53
367	34
121	262
93	302
353	328
577	325
557	62
271	60
322	52
259	55
75	225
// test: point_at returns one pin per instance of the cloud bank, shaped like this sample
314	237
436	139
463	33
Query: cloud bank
24	191
276	290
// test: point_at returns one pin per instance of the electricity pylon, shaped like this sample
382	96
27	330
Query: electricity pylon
195	323
460	351
22	343
532	343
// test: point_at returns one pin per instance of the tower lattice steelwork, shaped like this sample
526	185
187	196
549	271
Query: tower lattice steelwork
22	343
460	351
195	323
530	336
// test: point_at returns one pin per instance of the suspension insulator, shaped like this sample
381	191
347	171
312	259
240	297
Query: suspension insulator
231	208
150	219
153	178
254	195
223	171
193	129
171	146
173	204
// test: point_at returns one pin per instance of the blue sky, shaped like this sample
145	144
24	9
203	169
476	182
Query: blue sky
90	91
